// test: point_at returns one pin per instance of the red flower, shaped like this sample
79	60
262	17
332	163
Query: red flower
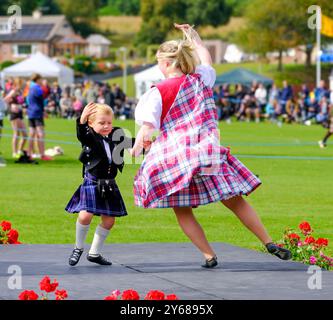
6	225
155	295
171	297
112	297
61	294
309	240
305	228
294	237
46	285
12	236
130	295
28	295
321	242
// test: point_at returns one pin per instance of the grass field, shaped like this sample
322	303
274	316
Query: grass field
296	175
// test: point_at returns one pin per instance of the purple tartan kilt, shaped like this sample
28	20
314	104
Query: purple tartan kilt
87	198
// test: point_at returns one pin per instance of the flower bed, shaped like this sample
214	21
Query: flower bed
7	234
305	248
47	287
133	295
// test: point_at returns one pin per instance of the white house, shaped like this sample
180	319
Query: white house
98	46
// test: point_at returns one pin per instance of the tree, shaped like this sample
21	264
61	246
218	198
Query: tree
82	17
279	25
49	7
269	27
128	7
159	15
238	6
4	5
204	12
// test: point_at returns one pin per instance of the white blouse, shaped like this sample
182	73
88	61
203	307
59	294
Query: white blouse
149	107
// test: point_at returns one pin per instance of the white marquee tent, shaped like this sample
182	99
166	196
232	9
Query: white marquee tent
42	64
145	79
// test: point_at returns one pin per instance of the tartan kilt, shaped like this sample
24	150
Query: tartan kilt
87	198
236	180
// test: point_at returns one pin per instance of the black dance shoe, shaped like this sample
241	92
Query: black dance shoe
210	263
99	260
280	252
75	256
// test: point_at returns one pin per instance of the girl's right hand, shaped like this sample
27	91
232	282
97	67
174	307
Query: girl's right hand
88	110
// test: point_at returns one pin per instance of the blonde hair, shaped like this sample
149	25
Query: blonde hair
180	53
101	109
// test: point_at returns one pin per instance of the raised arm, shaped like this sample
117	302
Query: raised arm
83	131
192	36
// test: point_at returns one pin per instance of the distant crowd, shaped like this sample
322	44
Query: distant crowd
36	99
258	102
69	101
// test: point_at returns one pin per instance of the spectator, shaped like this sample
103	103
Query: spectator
251	108
77	107
285	95
66	106
36	116
2	110
312	110
261	96
321	91
15	101
45	88
322	115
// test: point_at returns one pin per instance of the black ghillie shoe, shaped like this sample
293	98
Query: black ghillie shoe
210	263
75	256
99	260
280	252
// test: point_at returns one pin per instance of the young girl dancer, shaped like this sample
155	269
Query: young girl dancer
99	195
186	166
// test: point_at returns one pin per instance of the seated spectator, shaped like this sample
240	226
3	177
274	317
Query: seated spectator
261	96
293	111
312	110
321	91
251	108
323	111
66	106
77	107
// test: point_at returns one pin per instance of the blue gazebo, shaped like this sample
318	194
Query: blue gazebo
242	76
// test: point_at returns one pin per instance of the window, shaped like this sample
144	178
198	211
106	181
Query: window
24	49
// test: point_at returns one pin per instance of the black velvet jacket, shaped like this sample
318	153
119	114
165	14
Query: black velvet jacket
93	155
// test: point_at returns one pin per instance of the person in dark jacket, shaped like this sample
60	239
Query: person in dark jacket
102	157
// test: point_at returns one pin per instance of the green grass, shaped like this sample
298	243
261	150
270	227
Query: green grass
33	197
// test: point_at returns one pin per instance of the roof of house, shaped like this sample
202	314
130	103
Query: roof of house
42	29
72	39
98	39
29	32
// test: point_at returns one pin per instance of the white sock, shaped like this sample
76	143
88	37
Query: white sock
81	234
99	238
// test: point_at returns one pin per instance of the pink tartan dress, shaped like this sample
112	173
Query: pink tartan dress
186	165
